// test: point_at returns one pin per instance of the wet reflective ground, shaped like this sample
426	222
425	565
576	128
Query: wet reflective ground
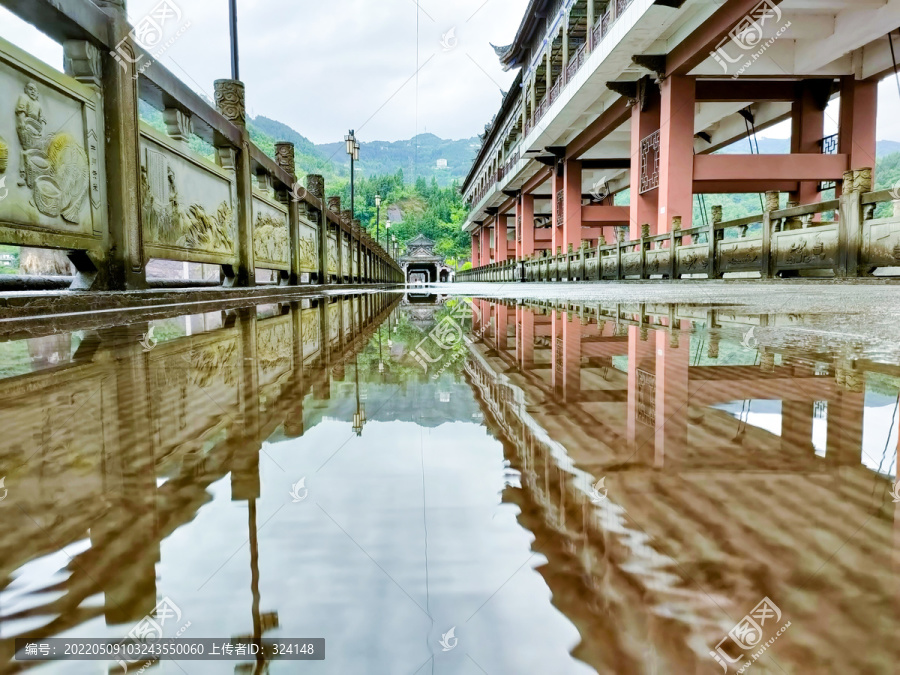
438	484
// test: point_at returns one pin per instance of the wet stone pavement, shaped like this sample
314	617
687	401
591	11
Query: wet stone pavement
434	482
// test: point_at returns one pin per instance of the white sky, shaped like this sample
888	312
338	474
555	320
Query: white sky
327	66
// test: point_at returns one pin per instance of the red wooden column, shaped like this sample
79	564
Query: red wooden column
672	361
557	199
644	122
571	204
485	244
500	248
676	152
474	248
859	105
525	214
571	357
807	130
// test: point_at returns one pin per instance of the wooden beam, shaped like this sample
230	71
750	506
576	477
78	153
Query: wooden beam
608	121
740	91
596	213
769	167
696	48
611	163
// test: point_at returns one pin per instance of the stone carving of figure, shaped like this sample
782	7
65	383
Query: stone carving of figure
30	123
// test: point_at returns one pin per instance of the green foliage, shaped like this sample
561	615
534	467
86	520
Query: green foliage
425	207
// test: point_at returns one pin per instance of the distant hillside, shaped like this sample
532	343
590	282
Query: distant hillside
782	146
383	157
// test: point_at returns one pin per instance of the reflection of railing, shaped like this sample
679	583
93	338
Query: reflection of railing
779	242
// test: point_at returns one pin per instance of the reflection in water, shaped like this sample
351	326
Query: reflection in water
440	485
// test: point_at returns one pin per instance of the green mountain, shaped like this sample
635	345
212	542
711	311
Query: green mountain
417	157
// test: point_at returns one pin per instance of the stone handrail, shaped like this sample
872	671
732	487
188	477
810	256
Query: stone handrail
790	242
114	193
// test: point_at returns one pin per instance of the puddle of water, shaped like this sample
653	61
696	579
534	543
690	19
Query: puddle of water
437	484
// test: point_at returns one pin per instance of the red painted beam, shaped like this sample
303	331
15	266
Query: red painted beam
536	180
769	167
695	49
740	91
598	213
738	186
609	120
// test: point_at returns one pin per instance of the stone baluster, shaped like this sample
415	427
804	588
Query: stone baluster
315	188
230	97
285	159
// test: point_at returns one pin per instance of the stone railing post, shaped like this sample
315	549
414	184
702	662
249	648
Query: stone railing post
230	104
284	157
123	267
620	241
675	240
346	222
767	270
850	227
644	246
712	237
315	186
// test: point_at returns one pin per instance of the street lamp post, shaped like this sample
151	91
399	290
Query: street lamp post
232	25
377	215
353	151
387	232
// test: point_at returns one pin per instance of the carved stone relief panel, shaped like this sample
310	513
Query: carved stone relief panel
309	248
187	203
271	235
51	166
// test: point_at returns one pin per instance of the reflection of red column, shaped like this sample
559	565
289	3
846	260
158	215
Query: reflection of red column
641	405
859	104
671	400
556	357
797	427
556	193
643	123
845	428
501	328
526	338
500	239
807	129
572	205
571	358
676	152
